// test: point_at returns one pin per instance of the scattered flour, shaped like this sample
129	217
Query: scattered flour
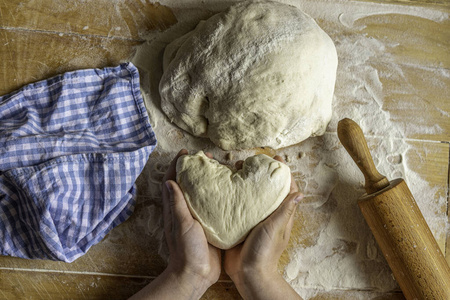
340	251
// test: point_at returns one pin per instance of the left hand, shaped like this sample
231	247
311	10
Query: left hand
190	254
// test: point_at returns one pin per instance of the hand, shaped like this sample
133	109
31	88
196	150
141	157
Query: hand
189	250
194	265
253	265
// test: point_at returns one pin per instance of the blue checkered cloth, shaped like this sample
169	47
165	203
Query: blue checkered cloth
71	148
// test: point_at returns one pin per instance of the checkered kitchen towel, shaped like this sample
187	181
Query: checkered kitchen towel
71	148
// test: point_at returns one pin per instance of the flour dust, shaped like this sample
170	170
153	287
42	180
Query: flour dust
335	249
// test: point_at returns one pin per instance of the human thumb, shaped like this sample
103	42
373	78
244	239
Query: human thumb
286	210
177	203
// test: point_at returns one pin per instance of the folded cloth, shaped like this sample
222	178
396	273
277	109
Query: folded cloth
71	148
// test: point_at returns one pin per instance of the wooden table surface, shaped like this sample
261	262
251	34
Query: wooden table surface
39	39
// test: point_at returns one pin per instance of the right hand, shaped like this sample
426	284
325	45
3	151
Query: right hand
256	259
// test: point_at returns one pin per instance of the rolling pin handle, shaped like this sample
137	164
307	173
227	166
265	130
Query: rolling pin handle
352	137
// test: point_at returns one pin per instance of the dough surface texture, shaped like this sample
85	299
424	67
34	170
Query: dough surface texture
259	74
228	203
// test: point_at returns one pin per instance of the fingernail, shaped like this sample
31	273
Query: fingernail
168	186
298	198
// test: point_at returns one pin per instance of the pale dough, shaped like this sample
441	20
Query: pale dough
228	203
258	74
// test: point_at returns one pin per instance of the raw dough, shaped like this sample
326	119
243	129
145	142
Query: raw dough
258	74
227	203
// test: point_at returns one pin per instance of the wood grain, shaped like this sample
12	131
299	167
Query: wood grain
412	69
428	159
407	243
39	39
36	285
32	56
353	140
19	284
426	3
127	19
420	48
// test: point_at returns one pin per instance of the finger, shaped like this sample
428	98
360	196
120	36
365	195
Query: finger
167	214
215	253
231	259
209	155
170	174
171	171
279	158
238	165
290	224
181	216
283	214
293	187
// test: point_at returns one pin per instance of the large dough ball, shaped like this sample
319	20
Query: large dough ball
259	74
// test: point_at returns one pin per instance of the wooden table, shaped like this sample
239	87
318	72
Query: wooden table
39	39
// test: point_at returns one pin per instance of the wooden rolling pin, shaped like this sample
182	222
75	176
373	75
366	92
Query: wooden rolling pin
396	222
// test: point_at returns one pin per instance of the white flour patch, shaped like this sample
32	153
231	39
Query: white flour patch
344	254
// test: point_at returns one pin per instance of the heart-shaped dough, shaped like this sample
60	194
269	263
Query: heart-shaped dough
228	203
